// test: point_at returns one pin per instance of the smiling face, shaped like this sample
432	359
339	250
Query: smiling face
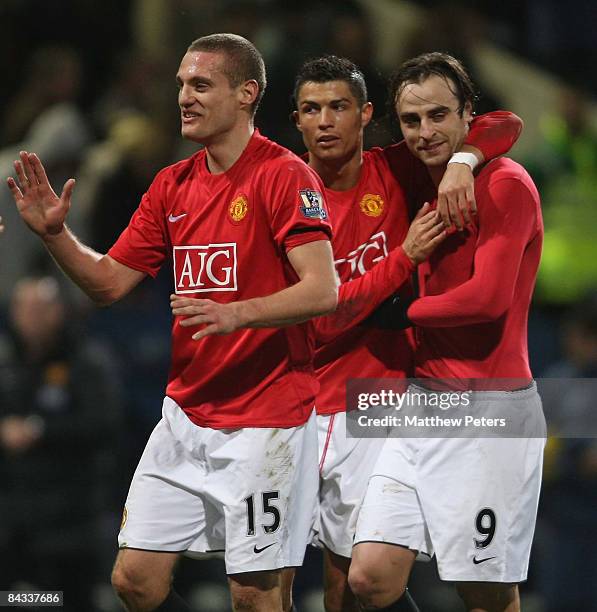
209	105
431	123
331	120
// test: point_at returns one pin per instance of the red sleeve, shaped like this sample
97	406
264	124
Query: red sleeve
143	244
300	238
358	298
494	133
294	193
507	222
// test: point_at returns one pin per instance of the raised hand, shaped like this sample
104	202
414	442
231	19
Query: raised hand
424	234
39	206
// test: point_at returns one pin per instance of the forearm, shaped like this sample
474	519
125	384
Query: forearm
306	299
467	305
358	298
90	270
483	298
507	225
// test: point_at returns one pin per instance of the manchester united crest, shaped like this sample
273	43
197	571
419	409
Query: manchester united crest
238	208
372	205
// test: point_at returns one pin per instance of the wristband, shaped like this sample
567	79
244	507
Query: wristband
470	159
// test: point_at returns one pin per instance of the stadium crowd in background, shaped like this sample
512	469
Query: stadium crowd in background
61	420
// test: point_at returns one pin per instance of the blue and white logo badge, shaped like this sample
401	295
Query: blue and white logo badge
312	206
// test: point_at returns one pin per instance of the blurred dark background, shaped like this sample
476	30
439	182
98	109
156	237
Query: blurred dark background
90	87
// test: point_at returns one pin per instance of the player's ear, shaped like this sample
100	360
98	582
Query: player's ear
248	92
366	113
295	117
467	112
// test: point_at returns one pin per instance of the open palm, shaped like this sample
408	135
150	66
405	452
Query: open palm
39	206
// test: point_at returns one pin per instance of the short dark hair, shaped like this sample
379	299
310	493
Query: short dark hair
331	68
243	60
420	68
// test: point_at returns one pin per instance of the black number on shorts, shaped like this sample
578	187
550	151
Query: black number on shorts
268	508
485	524
250	515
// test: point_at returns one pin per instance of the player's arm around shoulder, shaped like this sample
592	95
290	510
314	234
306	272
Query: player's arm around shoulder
490	135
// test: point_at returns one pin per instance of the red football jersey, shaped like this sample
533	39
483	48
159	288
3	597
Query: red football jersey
228	235
371	220
477	285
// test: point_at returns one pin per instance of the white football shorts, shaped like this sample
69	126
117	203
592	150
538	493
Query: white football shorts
249	493
471	501
345	465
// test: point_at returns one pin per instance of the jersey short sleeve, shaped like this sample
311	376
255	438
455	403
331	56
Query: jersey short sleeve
295	197
143	244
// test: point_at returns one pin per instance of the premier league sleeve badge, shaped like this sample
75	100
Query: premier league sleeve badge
312	204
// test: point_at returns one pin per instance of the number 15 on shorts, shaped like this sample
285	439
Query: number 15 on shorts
268	516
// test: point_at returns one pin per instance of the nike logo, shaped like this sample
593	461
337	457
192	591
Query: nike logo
258	550
174	219
477	561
